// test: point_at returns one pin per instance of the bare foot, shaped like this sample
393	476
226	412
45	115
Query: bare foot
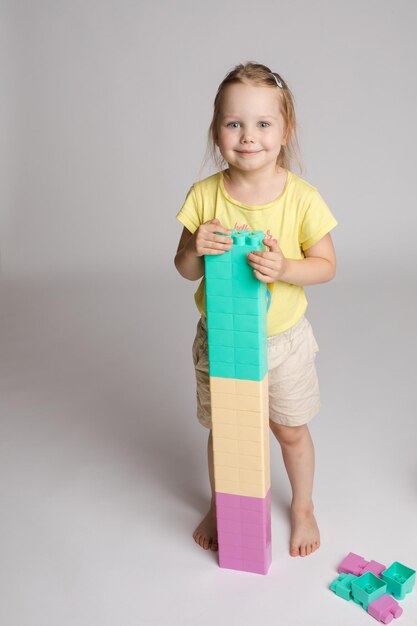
305	535
206	532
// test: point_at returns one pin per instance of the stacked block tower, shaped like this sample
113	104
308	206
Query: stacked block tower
236	306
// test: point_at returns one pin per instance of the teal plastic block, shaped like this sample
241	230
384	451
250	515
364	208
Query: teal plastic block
248	340
221	354
221	270
223	370
342	586
219	338
250	306
217	304
368	588
236	300
223	321
219	287
248	356
399	579
248	323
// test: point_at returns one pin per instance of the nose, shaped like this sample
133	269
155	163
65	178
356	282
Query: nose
247	137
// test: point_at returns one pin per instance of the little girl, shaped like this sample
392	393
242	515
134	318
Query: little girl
254	129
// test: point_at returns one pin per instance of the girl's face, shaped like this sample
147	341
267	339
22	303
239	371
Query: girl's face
251	127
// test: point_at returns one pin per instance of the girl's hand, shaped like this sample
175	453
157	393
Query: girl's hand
205	241
269	266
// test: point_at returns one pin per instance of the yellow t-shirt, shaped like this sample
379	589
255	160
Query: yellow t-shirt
298	219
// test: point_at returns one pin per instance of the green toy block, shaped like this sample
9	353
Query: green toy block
367	588
218	304
219	287
236	301
246	323
399	579
342	586
222	369
222	321
222	338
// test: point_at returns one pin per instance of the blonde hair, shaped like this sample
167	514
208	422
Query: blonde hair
261	75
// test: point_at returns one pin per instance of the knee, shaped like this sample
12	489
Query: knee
288	435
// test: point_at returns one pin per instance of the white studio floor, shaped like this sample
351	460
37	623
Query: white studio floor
103	465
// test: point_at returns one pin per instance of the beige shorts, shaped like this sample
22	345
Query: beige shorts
294	396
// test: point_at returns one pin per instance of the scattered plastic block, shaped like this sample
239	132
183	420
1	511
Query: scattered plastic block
385	609
374	567
352	564
368	588
342	586
399	579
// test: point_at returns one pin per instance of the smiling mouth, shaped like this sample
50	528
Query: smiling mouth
248	151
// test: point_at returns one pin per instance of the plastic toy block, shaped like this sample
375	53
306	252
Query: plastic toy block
367	588
242	489
374	567
236	306
342	586
400	579
244	532
352	564
385	609
238	460
229	401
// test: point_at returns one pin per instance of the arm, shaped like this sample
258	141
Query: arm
318	266
189	259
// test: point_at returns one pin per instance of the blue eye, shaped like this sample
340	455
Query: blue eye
266	124
231	124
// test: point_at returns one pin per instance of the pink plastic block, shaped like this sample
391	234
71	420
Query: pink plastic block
353	564
374	567
384	609
244	532
246	564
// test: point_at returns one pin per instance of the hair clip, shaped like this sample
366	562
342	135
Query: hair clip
278	82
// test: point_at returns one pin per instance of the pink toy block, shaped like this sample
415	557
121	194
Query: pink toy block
244	532
384	609
374	567
357	565
353	564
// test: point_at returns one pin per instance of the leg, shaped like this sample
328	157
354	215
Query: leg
206	532
298	454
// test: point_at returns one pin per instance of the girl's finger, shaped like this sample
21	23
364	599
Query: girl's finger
261	277
261	262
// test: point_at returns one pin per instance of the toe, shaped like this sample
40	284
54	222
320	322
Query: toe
303	551
309	550
294	551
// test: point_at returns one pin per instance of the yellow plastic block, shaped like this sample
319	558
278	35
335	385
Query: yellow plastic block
236	488
246	433
227	459
249	447
249	388
223	444
224	416
222	385
241	461
226	473
250	418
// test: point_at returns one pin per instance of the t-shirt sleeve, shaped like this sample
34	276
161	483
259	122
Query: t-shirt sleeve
317	221
190	213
